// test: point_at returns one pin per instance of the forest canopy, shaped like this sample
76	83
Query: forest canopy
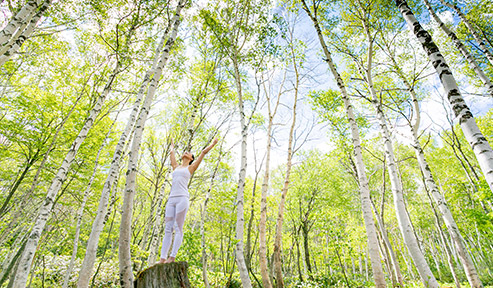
353	141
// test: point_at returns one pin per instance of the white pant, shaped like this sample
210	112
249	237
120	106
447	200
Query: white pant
176	210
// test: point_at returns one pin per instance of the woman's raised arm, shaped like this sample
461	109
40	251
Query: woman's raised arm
196	163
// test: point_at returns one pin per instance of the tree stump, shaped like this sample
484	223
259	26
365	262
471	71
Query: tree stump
169	275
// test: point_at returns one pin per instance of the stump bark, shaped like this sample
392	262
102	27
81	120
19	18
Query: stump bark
170	275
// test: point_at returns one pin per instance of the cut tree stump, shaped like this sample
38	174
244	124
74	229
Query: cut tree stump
169	275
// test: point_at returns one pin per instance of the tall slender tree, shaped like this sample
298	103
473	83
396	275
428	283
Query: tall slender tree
125	263
360	166
27	257
480	41
463	50
479	144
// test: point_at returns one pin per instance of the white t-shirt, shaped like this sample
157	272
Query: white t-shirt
179	184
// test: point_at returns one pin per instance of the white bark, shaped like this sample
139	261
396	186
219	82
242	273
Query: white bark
45	210
101	216
430	183
280	214
360	166
403	220
475	34
156	228
22	34
264	269
240	221
203	220
463	50
124	255
447	216
17	21
80	212
393	258
479	144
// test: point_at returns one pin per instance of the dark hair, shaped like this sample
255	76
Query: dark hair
193	158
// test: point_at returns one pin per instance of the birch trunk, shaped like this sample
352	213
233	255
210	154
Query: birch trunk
475	34
430	183
18	21
25	32
264	268
463	50
441	203
445	244
360	166
240	258
80	212
403	219
124	254
204	216
156	228
479	144
101	216
285	188
385	239
45	210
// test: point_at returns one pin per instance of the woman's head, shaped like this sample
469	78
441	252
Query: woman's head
187	157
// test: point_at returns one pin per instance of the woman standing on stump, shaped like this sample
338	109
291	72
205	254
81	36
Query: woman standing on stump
177	206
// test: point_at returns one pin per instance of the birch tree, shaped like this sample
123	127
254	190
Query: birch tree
20	26
45	210
264	269
430	183
479	144
360	166
22	33
404	221
80	212
463	50
480	41
125	263
233	33
102	211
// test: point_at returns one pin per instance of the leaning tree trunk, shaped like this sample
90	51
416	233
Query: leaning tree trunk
447	216
463	50
101	216
479	144
394	263
428	176
18	21
404	222
473	31
444	243
124	255
403	219
264	268
360	166
16	42
440	201
80	213
240	221
45	210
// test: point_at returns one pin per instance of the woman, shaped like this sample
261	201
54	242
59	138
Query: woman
177	206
